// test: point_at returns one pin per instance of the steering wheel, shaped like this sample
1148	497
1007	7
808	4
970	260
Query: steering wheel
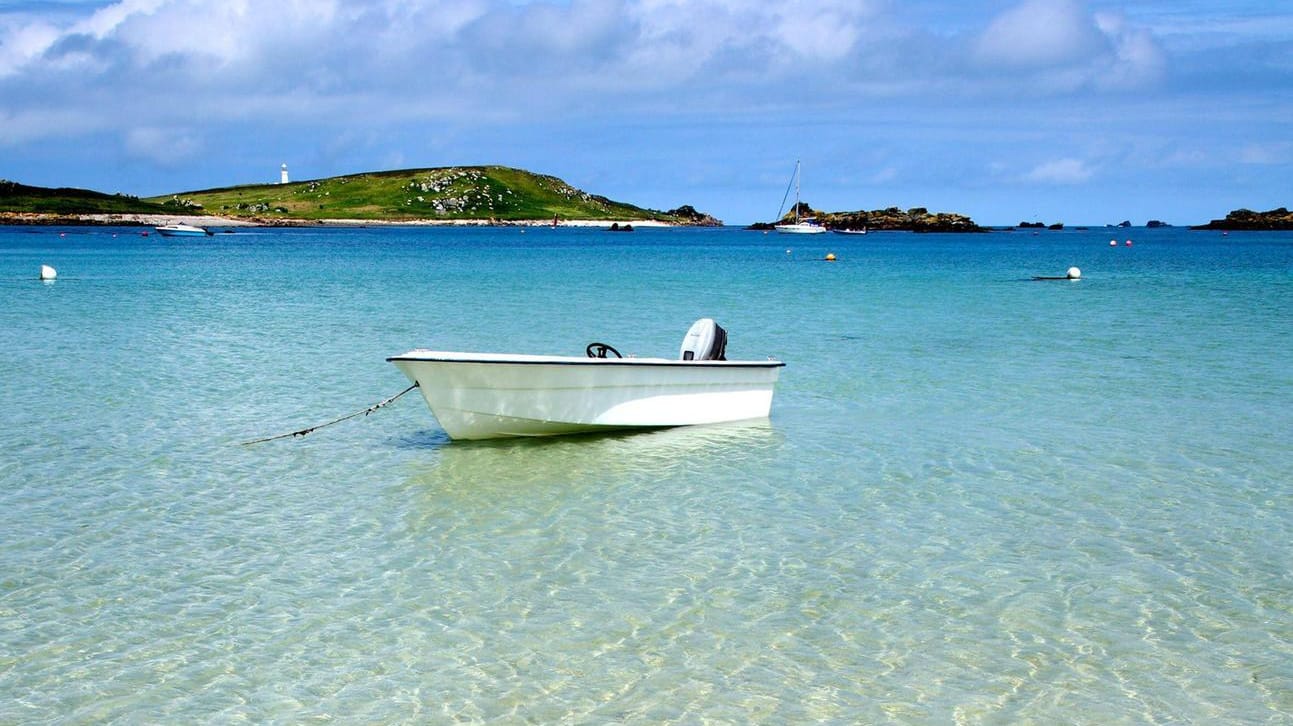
599	350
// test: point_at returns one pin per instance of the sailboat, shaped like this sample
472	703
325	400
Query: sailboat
807	225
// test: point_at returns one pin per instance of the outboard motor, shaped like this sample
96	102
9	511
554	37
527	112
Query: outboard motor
705	341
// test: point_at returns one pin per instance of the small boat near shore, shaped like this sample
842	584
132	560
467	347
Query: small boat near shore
849	231
182	230
495	395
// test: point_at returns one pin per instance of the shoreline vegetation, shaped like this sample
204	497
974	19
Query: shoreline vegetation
459	196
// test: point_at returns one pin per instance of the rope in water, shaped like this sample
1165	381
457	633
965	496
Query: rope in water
364	412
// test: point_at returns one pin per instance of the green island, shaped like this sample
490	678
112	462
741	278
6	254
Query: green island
475	194
471	193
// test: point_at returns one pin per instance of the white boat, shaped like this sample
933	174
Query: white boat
807	225
182	230
494	395
850	231
804	226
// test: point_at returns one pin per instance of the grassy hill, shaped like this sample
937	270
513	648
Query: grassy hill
476	192
22	199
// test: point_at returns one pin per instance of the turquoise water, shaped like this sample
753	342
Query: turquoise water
979	499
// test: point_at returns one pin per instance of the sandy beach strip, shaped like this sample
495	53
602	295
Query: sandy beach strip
157	220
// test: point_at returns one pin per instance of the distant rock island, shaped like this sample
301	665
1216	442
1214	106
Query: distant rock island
916	219
1246	219
688	215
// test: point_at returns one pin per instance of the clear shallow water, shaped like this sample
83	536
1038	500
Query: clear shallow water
978	499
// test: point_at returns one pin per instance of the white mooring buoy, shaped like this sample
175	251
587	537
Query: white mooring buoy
1074	273
47	272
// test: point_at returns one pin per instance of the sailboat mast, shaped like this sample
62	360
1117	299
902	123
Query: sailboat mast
796	191
801	225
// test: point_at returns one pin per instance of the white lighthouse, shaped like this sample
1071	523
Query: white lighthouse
282	177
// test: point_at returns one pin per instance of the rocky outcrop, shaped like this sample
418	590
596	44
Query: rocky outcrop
1276	219
916	219
687	215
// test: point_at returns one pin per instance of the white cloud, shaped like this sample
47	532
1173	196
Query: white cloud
315	68
825	31
107	19
1266	154
22	44
166	148
739	40
1187	158
1040	33
1060	45
31	125
1060	171
1137	58
883	176
442	58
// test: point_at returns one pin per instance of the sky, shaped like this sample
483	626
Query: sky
1073	111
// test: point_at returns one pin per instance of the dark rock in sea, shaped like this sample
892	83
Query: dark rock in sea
1155	223
1276	219
1056	226
1032	225
761	226
1125	223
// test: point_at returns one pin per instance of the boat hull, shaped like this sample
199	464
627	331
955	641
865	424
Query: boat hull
800	228
182	230
484	396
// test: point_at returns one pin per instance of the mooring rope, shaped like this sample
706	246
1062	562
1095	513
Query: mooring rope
364	412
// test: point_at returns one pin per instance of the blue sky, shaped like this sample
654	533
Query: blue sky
1080	111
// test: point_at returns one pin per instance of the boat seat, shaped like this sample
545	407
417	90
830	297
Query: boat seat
705	340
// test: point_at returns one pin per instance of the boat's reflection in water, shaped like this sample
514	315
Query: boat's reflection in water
504	467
